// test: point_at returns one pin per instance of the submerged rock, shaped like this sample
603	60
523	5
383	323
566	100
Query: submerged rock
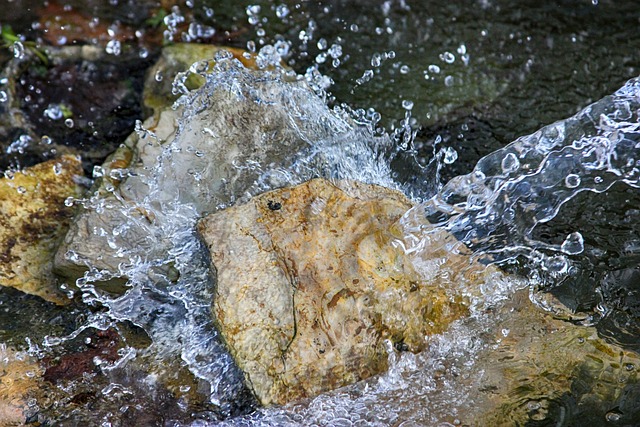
311	287
34	218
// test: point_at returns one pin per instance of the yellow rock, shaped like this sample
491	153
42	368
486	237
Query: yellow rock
310	287
33	218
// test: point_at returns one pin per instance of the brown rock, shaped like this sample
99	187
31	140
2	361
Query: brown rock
310	286
33	218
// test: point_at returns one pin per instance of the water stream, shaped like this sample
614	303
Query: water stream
557	208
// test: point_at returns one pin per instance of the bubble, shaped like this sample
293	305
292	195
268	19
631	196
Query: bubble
572	181
448	81
3	96
57	169
510	163
573	244
322	44
354	28
69	123
407	104
46	140
405	69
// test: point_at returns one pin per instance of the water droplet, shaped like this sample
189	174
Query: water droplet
448	57
433	68
613	415
510	163
3	96
69	123
98	171
450	155
282	11
572	181
18	50
573	244
113	47
54	112
407	104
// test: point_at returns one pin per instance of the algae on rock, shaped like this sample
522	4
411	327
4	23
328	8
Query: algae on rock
34	218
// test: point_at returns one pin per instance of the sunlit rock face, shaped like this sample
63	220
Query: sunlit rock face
33	219
311	289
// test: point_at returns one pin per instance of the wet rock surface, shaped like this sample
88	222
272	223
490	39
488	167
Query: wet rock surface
34	218
310	285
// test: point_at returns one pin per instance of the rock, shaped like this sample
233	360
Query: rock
19	381
310	286
34	218
205	154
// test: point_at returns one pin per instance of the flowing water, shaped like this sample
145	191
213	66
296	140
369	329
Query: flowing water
439	92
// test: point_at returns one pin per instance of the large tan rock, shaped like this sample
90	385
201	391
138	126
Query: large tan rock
310	287
33	218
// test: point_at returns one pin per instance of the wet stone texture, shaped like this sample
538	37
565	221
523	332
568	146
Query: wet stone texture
310	287
33	219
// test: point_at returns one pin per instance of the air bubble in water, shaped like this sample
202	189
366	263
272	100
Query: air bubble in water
69	123
46	140
450	155
158	76
405	69
510	163
448	81
573	244
322	44
572	181
3	96
407	104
